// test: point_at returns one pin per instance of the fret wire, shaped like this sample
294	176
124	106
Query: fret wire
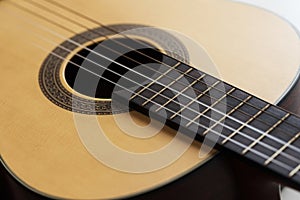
208	108
179	93
193	100
231	111
281	149
264	134
167	86
265	145
294	171
247	122
151	83
249	126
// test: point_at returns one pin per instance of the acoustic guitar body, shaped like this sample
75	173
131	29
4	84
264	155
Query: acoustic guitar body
40	145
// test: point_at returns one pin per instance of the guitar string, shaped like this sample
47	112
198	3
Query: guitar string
279	163
244	124
171	78
198	124
239	132
250	149
128	37
278	128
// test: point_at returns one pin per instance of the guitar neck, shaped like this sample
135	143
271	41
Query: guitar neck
198	103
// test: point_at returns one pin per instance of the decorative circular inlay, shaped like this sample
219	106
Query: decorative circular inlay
54	89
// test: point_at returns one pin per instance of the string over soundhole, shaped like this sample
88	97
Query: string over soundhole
104	63
88	89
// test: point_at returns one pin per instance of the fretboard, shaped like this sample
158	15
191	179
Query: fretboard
240	122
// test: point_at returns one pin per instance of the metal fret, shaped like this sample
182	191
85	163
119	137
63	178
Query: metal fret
243	125
200	95
166	87
159	77
234	109
294	171
207	109
173	98
281	149
264	134
178	112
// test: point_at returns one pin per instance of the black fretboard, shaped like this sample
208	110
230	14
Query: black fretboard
239	121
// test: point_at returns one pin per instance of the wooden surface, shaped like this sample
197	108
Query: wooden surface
39	142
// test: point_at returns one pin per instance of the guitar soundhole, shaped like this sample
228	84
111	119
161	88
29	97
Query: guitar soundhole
60	74
102	64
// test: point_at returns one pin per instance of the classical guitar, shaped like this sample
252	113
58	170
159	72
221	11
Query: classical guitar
113	99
